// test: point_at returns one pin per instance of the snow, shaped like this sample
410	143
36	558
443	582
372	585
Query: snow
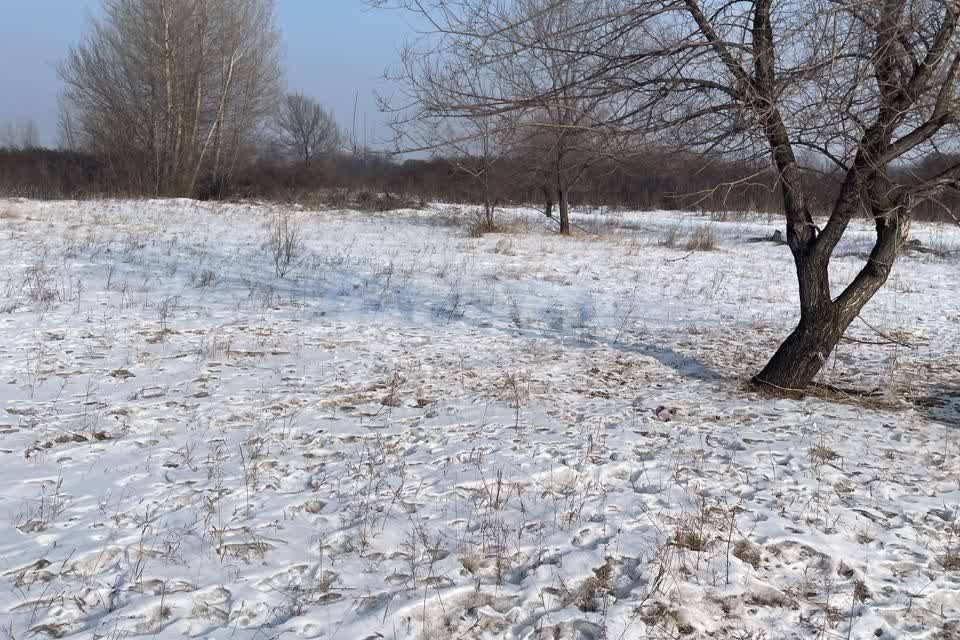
418	434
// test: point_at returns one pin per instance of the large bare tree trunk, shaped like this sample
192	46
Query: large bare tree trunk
802	355
823	321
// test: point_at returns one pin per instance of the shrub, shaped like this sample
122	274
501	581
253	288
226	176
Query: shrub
477	228
702	239
672	237
285	242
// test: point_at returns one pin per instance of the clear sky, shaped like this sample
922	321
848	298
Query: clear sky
334	50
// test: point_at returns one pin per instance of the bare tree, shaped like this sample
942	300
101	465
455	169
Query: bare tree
171	89
473	142
304	129
865	86
569	121
858	84
476	150
513	71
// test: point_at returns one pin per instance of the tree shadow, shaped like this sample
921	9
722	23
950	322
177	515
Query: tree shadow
941	404
438	308
362	289
682	364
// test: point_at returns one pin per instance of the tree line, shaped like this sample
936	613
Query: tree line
654	180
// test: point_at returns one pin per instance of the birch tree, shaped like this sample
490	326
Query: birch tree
172	90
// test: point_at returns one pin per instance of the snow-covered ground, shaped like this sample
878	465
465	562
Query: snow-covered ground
418	434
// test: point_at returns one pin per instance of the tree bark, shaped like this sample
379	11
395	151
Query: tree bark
549	200
823	321
802	355
564	212
227	84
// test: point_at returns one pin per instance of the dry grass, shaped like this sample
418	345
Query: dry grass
672	238
822	453
515	227
702	239
345	198
370	202
748	552
478	225
690	539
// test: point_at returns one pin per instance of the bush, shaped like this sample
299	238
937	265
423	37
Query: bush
370	202
702	239
285	242
479	228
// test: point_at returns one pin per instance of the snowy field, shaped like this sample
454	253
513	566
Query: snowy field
419	434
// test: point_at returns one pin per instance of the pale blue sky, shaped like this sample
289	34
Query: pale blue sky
333	50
